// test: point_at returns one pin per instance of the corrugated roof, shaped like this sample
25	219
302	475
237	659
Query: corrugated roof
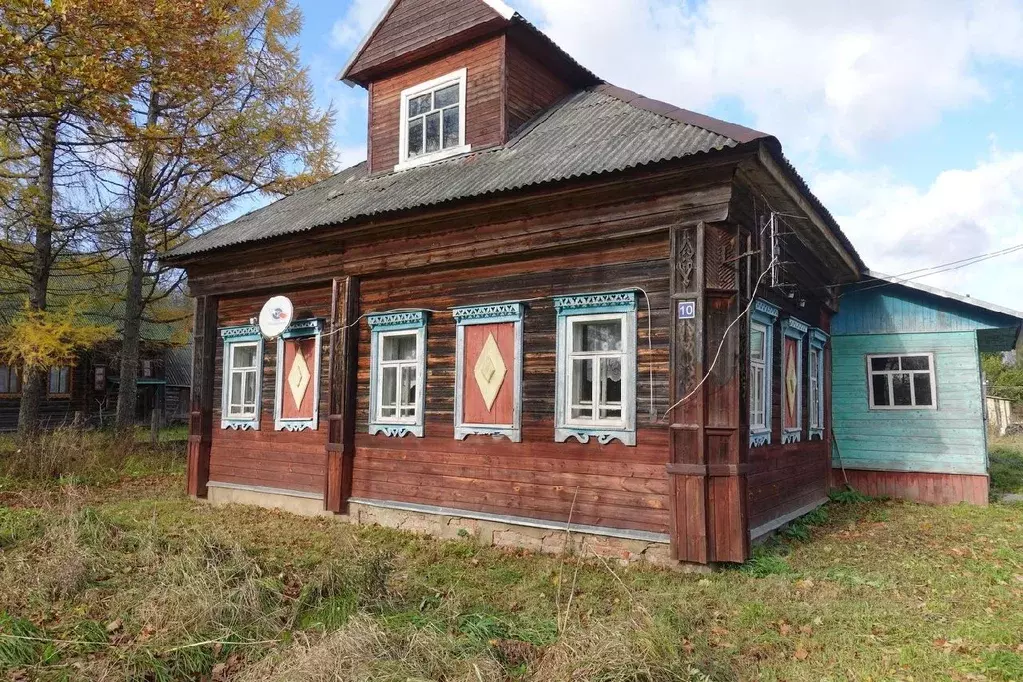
595	131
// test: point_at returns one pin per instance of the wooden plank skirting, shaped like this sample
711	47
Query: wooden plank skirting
927	488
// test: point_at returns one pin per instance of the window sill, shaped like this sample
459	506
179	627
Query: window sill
433	158
890	408
759	439
789	436
463	431
240	424
603	436
396	430
815	433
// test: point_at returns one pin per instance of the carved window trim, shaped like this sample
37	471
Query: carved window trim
488	314
618	305
765	315
384	325
796	330
299	329
815	422
232	336
459	77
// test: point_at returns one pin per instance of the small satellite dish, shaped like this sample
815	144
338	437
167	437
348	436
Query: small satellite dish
275	316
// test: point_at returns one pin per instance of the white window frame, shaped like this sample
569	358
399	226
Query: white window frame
818	341
300	330
389	325
63	372
912	387
765	315
404	162
764	365
248	335
620	306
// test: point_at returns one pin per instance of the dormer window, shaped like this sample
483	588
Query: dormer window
433	120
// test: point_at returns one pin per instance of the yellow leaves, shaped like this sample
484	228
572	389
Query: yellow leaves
49	338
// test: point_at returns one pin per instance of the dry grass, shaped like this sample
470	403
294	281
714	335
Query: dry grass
147	585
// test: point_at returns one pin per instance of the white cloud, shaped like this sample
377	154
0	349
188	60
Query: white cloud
899	228
810	72
352	27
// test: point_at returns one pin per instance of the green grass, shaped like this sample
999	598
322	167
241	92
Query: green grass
135	581
1006	466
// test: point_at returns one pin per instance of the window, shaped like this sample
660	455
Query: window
596	371
243	374
10	380
433	120
488	371
901	382
59	382
761	370
297	399
397	382
815	383
793	333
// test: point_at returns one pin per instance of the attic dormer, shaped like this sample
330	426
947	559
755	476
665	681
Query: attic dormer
450	77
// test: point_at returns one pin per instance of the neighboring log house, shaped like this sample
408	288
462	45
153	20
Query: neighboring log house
526	308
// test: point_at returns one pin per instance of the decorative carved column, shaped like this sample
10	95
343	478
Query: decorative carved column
707	464
341	385
200	421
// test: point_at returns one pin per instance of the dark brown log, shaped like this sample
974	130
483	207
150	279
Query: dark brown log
344	351
200	424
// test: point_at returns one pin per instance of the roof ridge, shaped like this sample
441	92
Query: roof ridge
734	131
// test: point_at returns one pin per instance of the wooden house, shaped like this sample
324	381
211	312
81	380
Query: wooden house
526	309
908	393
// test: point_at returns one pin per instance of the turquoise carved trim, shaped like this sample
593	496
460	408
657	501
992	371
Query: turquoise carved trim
595	304
818	339
766	314
395	321
301	328
248	332
488	313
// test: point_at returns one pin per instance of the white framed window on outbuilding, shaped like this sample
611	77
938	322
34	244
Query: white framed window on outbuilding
901	382
433	121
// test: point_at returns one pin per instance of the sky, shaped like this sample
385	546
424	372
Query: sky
904	116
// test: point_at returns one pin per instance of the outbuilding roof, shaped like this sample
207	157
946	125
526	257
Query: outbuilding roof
599	130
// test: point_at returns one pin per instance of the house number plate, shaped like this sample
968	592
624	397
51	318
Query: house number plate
687	310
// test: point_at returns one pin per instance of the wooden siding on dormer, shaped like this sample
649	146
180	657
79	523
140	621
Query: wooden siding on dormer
483	104
531	86
413	26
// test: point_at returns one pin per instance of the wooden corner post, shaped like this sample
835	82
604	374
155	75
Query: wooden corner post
344	354
200	419
707	468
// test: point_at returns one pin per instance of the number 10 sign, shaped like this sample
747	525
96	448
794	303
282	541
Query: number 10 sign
687	310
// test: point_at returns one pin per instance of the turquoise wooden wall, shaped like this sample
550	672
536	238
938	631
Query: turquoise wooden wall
950	439
897	309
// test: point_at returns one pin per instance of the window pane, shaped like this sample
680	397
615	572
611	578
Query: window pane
445	97
4	381
54	386
408	385
433	132
814	366
400	347
611	381
250	387
243	356
900	389
916	362
235	397
879	385
451	124
922	386
882	364
388	391
15	381
605	335
418	105
415	137
582	388
756	343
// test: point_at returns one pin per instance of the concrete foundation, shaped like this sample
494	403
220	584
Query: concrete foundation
609	544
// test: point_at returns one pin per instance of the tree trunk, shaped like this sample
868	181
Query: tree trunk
127	394
34	385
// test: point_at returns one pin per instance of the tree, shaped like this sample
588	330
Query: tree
62	68
221	109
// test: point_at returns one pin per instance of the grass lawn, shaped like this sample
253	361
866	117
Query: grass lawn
132	580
